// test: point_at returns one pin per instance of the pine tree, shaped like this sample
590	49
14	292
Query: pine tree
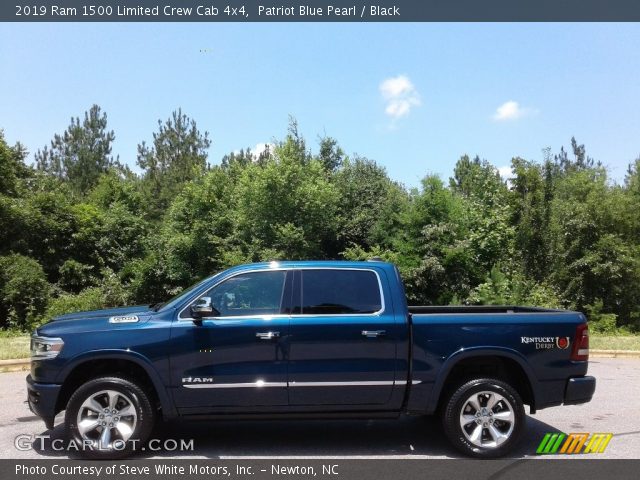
82	153
178	155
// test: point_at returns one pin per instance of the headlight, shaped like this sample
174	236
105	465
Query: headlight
45	347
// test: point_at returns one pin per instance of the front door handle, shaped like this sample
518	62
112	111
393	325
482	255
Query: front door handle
267	335
373	333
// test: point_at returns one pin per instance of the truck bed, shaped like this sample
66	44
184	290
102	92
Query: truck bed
440	309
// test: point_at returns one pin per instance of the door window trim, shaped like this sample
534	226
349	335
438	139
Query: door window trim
372	314
294	315
239	317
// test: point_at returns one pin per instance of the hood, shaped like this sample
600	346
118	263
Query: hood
94	321
107	312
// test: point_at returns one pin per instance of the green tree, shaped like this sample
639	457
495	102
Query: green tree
438	226
178	155
12	167
109	292
503	286
363	188
531	206
24	292
476	179
331	155
43	224
198	230
286	207
632	191
595	253
82	153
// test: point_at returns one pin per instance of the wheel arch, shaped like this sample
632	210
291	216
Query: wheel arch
116	362
504	364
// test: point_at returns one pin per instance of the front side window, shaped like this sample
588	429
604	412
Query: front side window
336	292
248	294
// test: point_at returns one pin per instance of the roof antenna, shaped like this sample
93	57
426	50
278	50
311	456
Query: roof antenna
375	259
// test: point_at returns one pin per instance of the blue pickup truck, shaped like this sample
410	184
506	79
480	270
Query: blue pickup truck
306	340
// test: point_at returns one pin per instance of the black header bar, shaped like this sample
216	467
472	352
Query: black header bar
320	11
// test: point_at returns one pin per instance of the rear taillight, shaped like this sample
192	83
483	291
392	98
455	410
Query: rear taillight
580	350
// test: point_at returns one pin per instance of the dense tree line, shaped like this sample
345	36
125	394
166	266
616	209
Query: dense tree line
79	230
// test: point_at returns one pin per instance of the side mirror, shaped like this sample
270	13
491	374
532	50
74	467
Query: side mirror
203	308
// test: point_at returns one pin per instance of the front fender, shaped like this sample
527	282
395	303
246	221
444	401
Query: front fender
168	408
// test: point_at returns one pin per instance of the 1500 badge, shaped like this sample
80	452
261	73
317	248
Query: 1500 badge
547	342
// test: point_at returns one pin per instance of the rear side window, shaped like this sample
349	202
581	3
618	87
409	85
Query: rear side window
336	292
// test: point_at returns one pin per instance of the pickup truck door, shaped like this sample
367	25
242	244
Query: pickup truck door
342	339
235	358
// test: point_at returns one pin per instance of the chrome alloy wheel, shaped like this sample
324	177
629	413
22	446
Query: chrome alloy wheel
487	419
107	419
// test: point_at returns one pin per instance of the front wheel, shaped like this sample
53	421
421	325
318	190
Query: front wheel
484	418
109	417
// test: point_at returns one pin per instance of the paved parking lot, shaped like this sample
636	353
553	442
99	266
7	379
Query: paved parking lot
615	408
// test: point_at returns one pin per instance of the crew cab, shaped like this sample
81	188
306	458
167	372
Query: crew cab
306	339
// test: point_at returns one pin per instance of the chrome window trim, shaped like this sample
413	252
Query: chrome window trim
296	315
372	314
235	317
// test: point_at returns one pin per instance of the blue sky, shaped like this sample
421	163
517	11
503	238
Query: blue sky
414	97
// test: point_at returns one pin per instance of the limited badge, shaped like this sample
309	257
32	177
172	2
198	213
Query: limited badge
124	319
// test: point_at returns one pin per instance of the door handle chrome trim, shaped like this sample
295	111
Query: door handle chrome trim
267	335
373	333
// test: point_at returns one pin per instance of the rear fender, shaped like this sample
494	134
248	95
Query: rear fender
479	352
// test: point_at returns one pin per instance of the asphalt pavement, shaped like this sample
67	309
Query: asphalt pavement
615	409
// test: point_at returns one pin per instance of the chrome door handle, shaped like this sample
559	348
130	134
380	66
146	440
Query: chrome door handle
373	333
267	335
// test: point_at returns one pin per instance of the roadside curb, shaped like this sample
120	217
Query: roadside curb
14	361
614	354
16	364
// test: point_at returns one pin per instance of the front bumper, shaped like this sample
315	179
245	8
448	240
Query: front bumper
579	390
42	398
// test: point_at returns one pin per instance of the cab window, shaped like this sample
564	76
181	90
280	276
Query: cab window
248	294
340	292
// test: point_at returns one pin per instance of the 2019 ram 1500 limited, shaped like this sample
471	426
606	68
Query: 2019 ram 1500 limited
317	339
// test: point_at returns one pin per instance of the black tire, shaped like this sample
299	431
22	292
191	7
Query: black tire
496	438
134	395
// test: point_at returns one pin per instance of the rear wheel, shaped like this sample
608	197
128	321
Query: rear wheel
109	417
484	418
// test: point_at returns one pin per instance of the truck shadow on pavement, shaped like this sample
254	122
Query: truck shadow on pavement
409	436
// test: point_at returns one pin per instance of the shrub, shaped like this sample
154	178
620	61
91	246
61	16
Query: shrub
88	299
24	292
600	322
74	276
109	293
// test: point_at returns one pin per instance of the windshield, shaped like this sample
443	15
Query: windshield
173	301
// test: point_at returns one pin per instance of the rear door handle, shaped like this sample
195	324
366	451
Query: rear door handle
267	335
373	333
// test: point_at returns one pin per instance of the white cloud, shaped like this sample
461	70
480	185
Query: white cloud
511	110
261	148
505	172
258	150
399	95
